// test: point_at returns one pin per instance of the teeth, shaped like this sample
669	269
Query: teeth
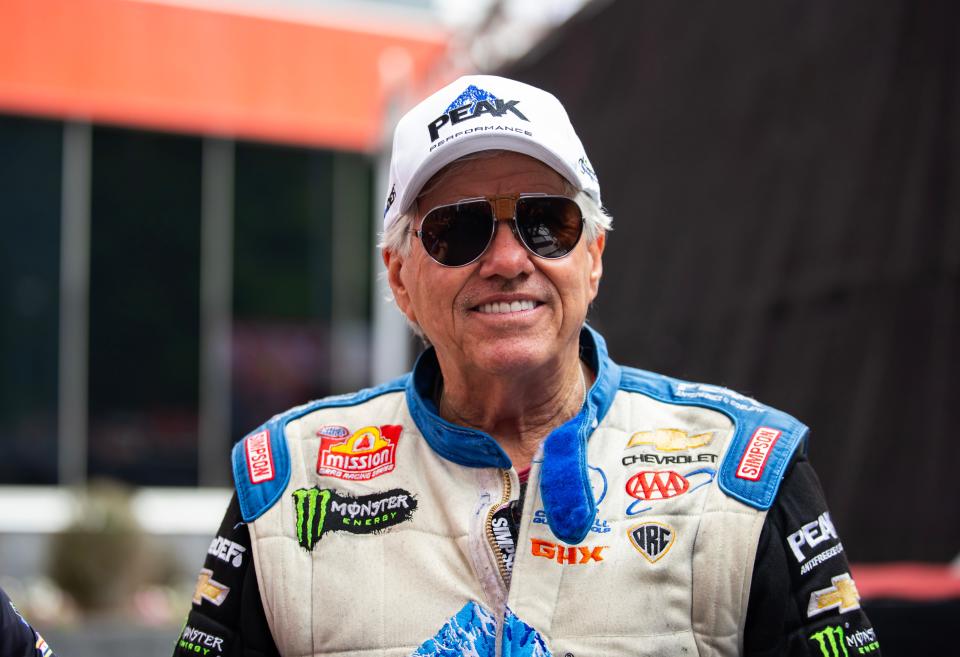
501	307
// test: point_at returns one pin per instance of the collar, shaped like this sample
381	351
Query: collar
476	449
565	489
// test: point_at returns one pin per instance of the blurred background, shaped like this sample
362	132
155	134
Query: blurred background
191	191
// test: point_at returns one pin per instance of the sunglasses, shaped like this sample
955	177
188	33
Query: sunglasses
458	234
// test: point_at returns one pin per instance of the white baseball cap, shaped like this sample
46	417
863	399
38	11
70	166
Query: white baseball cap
479	113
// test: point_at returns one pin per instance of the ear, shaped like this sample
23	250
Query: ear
394	263
595	251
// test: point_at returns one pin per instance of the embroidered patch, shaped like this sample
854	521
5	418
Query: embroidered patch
656	485
472	631
320	510
757	452
259	457
505	528
669	459
670	440
652	539
567	555
195	640
209	589
842	596
833	641
226	550
368	453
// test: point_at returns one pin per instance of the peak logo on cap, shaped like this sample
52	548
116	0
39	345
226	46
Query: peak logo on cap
470	104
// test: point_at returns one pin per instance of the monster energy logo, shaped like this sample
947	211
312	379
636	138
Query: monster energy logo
831	641
320	510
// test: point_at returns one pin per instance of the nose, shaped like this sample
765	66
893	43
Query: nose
505	256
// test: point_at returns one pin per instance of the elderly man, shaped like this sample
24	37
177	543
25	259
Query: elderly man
519	493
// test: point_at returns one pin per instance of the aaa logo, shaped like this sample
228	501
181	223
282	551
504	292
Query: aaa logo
368	453
657	485
320	511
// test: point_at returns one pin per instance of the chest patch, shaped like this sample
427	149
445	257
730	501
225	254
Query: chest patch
321	510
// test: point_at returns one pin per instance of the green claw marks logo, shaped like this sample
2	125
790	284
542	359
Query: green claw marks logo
833	641
320	510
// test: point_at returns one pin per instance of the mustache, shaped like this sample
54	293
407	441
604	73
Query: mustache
471	297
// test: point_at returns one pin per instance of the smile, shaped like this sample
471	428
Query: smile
502	307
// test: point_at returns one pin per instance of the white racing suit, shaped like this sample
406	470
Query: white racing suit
371	526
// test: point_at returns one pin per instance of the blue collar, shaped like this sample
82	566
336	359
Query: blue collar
564	484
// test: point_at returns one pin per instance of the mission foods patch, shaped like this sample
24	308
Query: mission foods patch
321	510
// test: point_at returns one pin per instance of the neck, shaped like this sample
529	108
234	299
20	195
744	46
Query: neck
518	412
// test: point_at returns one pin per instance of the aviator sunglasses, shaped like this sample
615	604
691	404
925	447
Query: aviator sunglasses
458	234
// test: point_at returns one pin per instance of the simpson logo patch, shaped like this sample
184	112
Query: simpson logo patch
319	511
259	457
758	451
367	453
652	539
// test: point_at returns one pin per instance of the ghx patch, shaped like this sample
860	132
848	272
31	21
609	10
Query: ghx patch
321	510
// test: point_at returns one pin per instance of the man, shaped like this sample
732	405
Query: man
519	493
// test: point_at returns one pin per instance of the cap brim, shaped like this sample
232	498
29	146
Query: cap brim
476	143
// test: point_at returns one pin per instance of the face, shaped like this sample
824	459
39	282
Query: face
461	309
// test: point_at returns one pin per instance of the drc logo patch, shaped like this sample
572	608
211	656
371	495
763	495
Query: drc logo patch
652	539
320	510
368	453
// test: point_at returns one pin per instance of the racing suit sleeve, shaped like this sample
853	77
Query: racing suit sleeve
226	618
803	600
17	637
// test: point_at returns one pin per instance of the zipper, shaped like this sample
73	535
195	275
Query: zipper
491	539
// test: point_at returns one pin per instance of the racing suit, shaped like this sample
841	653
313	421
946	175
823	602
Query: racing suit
17	637
665	518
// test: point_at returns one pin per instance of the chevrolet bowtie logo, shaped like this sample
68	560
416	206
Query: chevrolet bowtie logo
842	595
670	440
209	589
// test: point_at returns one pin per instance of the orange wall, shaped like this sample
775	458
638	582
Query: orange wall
182	69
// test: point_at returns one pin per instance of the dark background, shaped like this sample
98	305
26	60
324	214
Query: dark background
786	198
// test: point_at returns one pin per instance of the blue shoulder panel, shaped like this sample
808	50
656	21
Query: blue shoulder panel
764	439
261	461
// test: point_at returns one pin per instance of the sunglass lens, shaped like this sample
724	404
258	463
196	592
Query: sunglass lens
455	235
550	226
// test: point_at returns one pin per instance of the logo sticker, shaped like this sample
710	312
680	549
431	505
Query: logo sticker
812	534
671	459
209	589
758	451
259	457
843	596
654	485
320	510
505	530
833	641
670	440
226	550
652	539
194	640
391	197
368	453
576	554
